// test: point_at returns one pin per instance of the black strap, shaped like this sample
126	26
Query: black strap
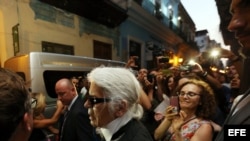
188	120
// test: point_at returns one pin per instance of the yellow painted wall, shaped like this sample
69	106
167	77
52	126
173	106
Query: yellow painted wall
33	31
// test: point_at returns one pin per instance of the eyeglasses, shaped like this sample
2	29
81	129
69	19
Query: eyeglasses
33	103
189	94
94	100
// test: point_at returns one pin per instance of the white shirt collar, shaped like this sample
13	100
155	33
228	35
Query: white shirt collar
114	126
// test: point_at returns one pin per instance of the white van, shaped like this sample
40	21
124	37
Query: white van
42	70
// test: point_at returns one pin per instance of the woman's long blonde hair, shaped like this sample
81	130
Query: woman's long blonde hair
40	106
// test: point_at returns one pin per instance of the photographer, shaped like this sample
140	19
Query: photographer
162	62
144	99
145	83
148	82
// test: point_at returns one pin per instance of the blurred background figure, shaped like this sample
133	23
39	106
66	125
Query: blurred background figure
75	81
16	118
113	105
83	86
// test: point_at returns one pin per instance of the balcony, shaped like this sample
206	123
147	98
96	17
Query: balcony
106	12
144	10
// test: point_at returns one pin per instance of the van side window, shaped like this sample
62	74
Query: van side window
50	78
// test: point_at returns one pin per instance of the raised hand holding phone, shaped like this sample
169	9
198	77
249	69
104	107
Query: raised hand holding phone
174	101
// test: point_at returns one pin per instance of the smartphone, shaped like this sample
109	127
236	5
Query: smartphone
185	68
174	101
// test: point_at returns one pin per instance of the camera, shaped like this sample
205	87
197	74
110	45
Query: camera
164	60
150	77
185	68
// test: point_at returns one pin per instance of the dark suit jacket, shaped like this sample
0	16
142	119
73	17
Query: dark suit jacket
134	130
239	118
77	125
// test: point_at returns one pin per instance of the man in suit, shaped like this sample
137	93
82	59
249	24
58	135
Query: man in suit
240	24
113	104
16	119
75	125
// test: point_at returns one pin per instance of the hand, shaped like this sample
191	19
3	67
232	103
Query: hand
159	78
131	62
158	116
224	53
53	130
141	79
170	113
59	105
197	68
179	122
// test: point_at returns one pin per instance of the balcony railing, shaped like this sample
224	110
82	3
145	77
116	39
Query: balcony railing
151	9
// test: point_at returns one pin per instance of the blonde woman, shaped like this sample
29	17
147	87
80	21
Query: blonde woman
40	122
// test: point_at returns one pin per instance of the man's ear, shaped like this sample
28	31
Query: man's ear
24	128
121	109
27	122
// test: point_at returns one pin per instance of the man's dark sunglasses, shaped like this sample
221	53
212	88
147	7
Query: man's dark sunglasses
94	100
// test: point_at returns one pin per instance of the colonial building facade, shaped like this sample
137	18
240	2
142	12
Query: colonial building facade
114	29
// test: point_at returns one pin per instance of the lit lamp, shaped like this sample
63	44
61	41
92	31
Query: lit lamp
176	60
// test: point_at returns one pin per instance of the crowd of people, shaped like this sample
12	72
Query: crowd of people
119	103
165	84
